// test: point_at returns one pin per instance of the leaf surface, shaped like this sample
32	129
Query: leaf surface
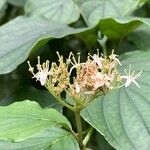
115	17
22	120
19	36
51	138
60	11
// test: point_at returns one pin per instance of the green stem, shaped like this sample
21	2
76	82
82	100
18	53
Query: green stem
61	101
65	104
87	137
75	135
79	128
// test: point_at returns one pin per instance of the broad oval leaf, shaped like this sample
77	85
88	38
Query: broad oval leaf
48	139
123	115
60	11
22	120
19	36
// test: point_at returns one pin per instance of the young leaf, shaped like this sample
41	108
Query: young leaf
51	138
60	11
22	120
19	36
123	115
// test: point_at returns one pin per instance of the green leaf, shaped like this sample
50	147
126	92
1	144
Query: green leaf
19	3
44	98
19	36
140	37
123	115
114	17
49	139
121	27
24	119
100	9
60	11
2	7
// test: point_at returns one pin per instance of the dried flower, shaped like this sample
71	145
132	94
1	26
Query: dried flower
94	75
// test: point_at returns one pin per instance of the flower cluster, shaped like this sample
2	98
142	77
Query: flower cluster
54	78
97	75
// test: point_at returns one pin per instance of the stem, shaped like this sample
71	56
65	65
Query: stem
64	104
79	128
61	101
87	137
75	135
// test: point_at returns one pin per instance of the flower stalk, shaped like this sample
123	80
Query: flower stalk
79	128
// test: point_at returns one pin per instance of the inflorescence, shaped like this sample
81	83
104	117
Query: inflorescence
97	75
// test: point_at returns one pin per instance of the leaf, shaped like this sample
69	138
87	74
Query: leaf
100	9
60	11
118	29
21	120
123	115
2	7
44	98
140	37
121	27
51	138
19	3
19	36
114	17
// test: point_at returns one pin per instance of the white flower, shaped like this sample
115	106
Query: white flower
98	60
114	57
41	76
130	77
43	71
